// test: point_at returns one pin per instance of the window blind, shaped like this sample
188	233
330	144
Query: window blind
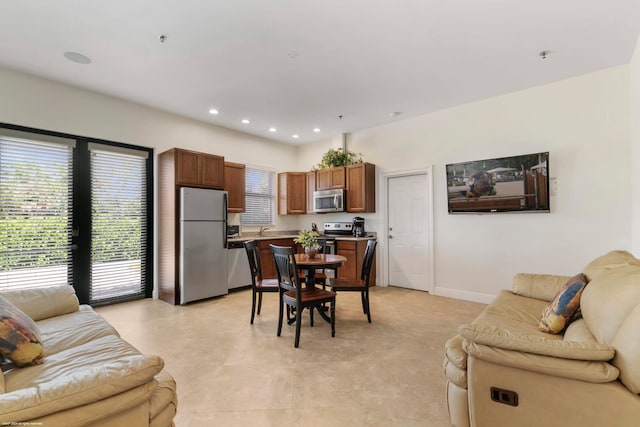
35	212
118	223
259	197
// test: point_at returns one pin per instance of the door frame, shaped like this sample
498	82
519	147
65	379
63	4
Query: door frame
429	194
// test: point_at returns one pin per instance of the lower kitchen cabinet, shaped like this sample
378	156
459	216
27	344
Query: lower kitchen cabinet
353	250
266	256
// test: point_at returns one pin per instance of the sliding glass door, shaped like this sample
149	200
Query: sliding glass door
78	212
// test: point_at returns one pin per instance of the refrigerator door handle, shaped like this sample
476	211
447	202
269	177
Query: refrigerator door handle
226	219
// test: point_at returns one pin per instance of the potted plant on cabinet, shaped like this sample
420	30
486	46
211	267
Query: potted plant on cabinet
309	241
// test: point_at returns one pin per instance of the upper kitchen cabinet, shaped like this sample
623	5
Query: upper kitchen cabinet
292	193
311	187
196	169
330	178
361	187
234	184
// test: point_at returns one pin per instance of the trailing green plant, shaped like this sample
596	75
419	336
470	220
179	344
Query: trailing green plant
308	239
338	157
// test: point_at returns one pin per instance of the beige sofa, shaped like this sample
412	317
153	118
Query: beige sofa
90	376
502	371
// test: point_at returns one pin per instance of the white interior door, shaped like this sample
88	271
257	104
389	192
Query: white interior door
409	234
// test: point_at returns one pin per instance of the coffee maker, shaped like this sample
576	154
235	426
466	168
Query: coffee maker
358	227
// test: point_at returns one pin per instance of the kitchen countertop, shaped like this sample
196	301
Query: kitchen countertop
288	235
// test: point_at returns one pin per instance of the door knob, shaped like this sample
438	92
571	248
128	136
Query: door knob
390	236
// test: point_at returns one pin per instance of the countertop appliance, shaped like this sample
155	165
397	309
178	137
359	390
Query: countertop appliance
238	273
203	244
358	227
328	201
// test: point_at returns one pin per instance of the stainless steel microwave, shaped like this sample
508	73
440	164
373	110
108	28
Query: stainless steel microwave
328	201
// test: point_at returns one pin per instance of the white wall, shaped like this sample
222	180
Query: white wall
634	72
583	122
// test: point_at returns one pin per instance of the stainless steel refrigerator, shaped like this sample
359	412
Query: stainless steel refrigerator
203	244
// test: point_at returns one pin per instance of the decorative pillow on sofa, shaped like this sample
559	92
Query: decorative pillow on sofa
560	311
19	337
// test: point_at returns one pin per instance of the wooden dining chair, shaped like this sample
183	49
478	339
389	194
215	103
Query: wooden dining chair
361	285
258	284
295	295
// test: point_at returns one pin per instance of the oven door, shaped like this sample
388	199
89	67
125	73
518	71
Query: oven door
328	201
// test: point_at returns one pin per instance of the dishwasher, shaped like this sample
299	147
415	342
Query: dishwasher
238	272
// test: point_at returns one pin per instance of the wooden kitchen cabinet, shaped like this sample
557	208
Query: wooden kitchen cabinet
331	178
234	180
194	169
361	188
354	252
311	187
292	193
266	256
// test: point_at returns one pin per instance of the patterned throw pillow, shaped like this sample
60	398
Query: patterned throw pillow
559	313
19	337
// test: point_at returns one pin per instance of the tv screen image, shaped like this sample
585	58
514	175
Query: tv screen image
505	184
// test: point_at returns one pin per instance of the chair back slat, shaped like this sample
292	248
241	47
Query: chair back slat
251	246
286	268
369	252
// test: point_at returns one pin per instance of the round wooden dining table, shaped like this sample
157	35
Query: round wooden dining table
319	261
310	265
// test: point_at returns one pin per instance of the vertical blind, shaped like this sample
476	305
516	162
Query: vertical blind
259	197
35	212
118	222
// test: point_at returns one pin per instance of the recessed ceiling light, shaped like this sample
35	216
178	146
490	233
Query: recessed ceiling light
296	136
316	129
77	58
246	121
395	113
213	111
272	129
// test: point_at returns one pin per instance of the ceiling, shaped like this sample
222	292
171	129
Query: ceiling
335	65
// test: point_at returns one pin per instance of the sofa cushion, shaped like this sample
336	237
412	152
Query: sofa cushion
608	262
19	336
557	315
70	330
42	303
80	375
510	322
538	286
609	307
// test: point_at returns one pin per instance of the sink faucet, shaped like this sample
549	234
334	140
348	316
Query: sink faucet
263	229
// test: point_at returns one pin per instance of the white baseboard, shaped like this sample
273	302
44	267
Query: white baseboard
464	295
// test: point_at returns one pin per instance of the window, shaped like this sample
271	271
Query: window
119	222
259	197
75	212
35	212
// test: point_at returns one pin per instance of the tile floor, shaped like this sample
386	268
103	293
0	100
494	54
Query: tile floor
232	373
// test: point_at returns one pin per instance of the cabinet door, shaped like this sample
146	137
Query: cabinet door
337	177
323	179
361	188
234	180
266	256
187	167
311	187
350	268
292	193
212	172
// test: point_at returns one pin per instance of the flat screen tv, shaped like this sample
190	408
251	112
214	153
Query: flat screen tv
505	184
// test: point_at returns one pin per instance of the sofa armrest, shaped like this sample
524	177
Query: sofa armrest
80	387
539	286
583	370
43	303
